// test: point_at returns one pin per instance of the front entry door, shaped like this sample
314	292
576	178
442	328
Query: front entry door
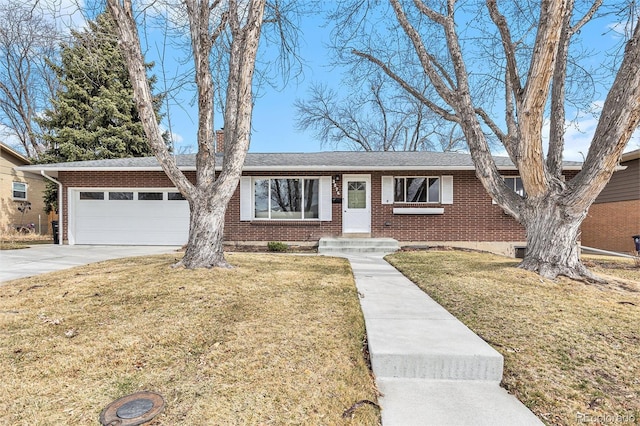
356	204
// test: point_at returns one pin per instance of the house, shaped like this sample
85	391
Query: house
19	189
614	218
417	198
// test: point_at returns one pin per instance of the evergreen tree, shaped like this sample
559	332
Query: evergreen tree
93	114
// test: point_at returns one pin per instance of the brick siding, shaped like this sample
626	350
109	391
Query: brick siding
471	217
611	226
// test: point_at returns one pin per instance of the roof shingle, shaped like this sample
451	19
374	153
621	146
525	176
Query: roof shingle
329	160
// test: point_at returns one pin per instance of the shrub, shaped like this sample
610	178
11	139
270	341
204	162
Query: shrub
277	246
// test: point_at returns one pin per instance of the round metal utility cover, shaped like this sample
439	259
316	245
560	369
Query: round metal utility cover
132	410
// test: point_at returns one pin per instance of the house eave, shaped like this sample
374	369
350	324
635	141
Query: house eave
14	153
315	168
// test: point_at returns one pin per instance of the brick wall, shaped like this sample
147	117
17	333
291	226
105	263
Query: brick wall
610	226
472	216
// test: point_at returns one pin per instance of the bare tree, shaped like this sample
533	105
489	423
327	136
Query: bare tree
27	41
373	118
240	24
530	62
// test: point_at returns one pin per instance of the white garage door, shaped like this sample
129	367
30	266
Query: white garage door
129	217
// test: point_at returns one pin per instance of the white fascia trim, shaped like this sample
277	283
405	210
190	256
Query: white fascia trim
275	168
99	169
373	168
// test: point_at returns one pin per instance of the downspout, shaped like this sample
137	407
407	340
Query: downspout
60	205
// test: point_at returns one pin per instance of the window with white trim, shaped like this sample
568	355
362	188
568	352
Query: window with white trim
286	198
92	195
120	196
150	196
515	183
19	190
417	190
175	196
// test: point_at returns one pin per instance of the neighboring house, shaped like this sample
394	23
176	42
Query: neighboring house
417	198
614	218
18	188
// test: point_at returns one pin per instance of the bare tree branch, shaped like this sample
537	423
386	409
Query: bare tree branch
508	47
27	41
558	91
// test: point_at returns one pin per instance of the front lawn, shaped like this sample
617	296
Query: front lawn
276	340
571	350
12	240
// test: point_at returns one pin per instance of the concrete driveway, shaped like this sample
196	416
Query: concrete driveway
40	259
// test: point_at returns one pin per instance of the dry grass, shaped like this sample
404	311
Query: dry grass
11	240
276	340
571	349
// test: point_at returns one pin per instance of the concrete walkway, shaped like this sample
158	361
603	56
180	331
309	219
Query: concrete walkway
430	368
42	258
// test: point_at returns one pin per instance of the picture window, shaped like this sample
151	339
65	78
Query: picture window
286	198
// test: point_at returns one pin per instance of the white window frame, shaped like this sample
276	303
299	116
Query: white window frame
14	190
438	201
514	184
388	190
253	180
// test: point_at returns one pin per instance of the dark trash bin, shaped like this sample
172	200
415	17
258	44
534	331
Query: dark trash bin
54	227
636	240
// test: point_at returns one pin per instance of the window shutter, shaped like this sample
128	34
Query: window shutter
447	190
387	190
326	206
246	212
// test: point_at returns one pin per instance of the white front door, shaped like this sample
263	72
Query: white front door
356	204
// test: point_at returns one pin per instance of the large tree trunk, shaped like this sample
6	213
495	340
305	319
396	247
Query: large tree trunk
209	195
553	209
206	231
552	241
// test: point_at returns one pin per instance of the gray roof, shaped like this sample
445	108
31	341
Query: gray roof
314	161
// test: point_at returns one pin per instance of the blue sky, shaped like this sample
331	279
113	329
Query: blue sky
274	112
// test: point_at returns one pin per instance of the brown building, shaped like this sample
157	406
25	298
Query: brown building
17	189
614	218
417	198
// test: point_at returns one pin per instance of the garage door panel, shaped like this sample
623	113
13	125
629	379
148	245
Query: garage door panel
112	237
131	222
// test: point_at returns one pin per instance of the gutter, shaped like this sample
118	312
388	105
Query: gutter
284	168
60	205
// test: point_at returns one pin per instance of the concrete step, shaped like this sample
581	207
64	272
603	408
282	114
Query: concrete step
450	403
430	349
341	245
